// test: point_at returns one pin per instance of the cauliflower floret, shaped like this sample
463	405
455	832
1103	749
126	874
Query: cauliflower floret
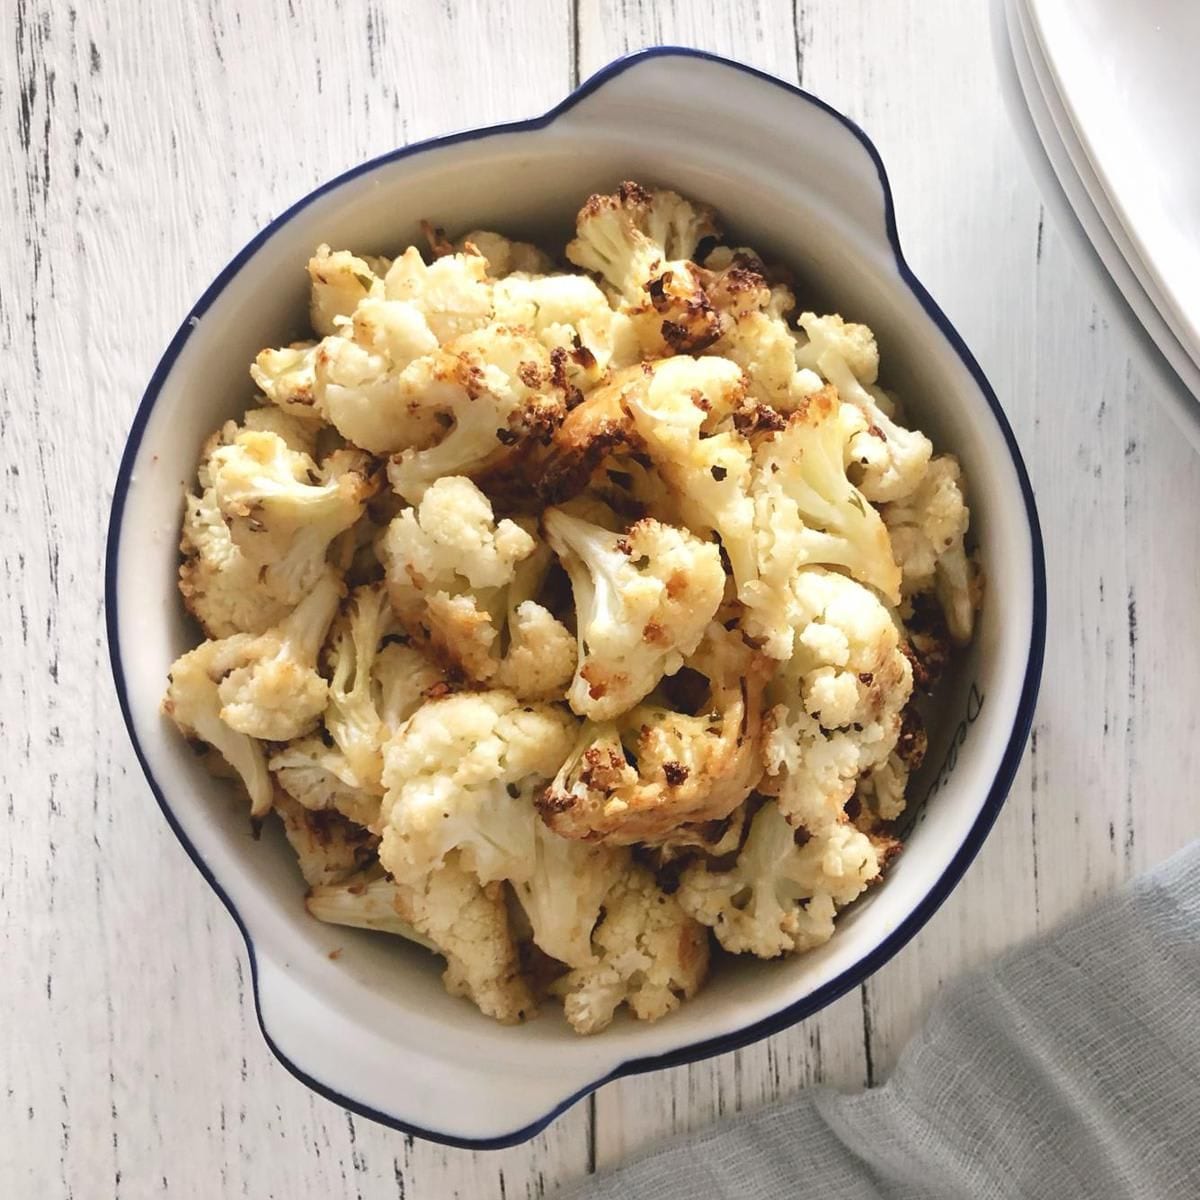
404	679
368	900
638	778
219	584
504	256
839	699
853	344
448	563
806	511
329	848
564	894
339	281
469	924
287	377
299	434
641	242
754	331
881	790
571	318
927	530
320	778
371	695
451	912
452	292
283	511
380	380
642	602
460	774
541	657
708	471
628	236
352	716
781	897
591	431
650	956
272	690
193	703
508	399
890	459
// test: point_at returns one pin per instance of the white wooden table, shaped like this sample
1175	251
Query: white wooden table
142	144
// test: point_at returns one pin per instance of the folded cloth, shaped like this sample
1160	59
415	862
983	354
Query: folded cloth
1068	1068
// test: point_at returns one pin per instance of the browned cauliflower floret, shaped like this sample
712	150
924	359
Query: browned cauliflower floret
456	576
684	417
927	530
754	331
319	777
340	282
629	236
643	599
502	395
807	512
287	377
448	911
193	702
283	510
381	381
329	847
838	701
271	688
650	955
460	774
635	779
571	317
782	894
220	585
890	460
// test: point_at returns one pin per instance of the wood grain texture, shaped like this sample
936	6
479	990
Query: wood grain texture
140	152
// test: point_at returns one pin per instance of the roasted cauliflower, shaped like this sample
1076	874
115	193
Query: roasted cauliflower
577	617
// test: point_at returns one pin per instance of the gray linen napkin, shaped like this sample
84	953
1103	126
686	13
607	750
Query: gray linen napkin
1068	1068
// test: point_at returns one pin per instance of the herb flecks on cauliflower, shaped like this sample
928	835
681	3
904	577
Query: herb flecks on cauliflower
460	774
283	510
637	778
643	599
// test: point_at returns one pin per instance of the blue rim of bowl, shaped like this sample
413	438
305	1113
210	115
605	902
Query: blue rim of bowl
1005	773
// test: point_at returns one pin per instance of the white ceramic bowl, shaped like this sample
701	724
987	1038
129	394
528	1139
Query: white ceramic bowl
373	1029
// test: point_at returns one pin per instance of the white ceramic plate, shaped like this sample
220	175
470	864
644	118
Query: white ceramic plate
1164	309
1150	341
1128	75
373	1028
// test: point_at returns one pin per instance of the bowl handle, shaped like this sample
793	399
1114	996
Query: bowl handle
454	1093
765	126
